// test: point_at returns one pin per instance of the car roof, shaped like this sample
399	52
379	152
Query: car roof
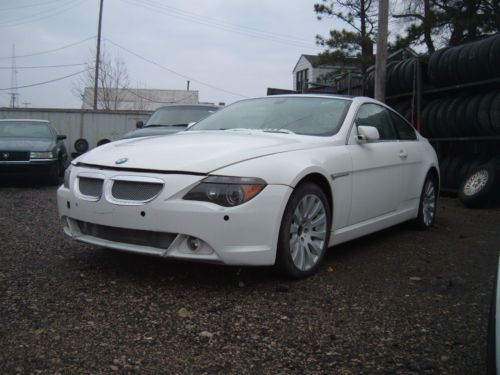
24	120
313	95
189	106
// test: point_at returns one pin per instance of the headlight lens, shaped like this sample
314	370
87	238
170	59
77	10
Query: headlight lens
67	173
226	191
41	155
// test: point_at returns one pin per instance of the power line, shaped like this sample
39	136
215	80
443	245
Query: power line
44	83
174	72
42	66
29	5
216	21
38	16
222	25
51	50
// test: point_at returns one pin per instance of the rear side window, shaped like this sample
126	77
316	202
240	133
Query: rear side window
405	130
379	117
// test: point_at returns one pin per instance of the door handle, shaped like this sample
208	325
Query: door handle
403	154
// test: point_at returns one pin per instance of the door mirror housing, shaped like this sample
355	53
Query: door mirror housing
139	124
367	133
61	137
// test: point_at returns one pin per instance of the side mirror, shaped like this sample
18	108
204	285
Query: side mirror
139	124
367	133
61	137
190	125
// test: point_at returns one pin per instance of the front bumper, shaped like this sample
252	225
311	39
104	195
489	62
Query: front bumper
31	167
242	235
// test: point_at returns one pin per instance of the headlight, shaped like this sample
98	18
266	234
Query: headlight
67	173
41	155
226	191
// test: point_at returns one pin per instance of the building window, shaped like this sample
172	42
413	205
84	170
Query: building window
301	79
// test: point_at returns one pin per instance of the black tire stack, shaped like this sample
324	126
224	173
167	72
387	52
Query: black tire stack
470	168
464	115
460	111
471	62
400	77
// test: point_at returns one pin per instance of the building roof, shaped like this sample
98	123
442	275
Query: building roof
314	60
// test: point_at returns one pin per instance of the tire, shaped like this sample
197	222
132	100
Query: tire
81	145
55	173
483	114
294	256
434	63
428	203
495	114
463	57
478	186
494	58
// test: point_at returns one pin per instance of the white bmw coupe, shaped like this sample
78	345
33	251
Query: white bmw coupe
273	180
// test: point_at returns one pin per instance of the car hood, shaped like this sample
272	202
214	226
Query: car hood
195	151
25	144
156	130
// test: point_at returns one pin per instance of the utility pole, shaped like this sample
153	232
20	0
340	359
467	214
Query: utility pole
97	57
381	58
13	81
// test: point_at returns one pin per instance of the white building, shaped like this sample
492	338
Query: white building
137	99
308	70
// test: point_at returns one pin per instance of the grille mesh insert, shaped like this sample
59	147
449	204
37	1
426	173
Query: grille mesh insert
129	236
14	156
91	187
135	191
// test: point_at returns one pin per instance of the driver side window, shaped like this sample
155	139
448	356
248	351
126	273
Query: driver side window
375	115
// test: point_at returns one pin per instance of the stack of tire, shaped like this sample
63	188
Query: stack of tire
470	62
400	76
462	116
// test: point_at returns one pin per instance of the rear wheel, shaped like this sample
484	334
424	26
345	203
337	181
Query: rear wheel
428	203
304	231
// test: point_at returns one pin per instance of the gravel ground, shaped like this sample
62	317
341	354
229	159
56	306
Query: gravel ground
396	302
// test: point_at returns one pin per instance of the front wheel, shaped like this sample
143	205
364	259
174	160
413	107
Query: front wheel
428	203
304	231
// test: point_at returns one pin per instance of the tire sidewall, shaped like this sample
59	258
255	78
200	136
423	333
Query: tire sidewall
284	259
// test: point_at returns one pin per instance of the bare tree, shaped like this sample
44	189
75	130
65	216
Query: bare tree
112	86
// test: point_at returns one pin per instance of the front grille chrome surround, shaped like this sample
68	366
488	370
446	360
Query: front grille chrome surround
133	190
89	186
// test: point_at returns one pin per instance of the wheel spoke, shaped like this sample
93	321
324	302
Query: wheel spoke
315	248
320	234
319	220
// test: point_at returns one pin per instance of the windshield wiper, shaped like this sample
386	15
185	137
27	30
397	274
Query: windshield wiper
285	131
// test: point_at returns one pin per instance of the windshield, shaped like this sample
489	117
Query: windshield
26	129
302	115
179	115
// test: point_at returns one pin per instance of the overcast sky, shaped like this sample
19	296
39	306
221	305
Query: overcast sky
228	49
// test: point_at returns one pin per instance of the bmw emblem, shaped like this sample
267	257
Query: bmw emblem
121	161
